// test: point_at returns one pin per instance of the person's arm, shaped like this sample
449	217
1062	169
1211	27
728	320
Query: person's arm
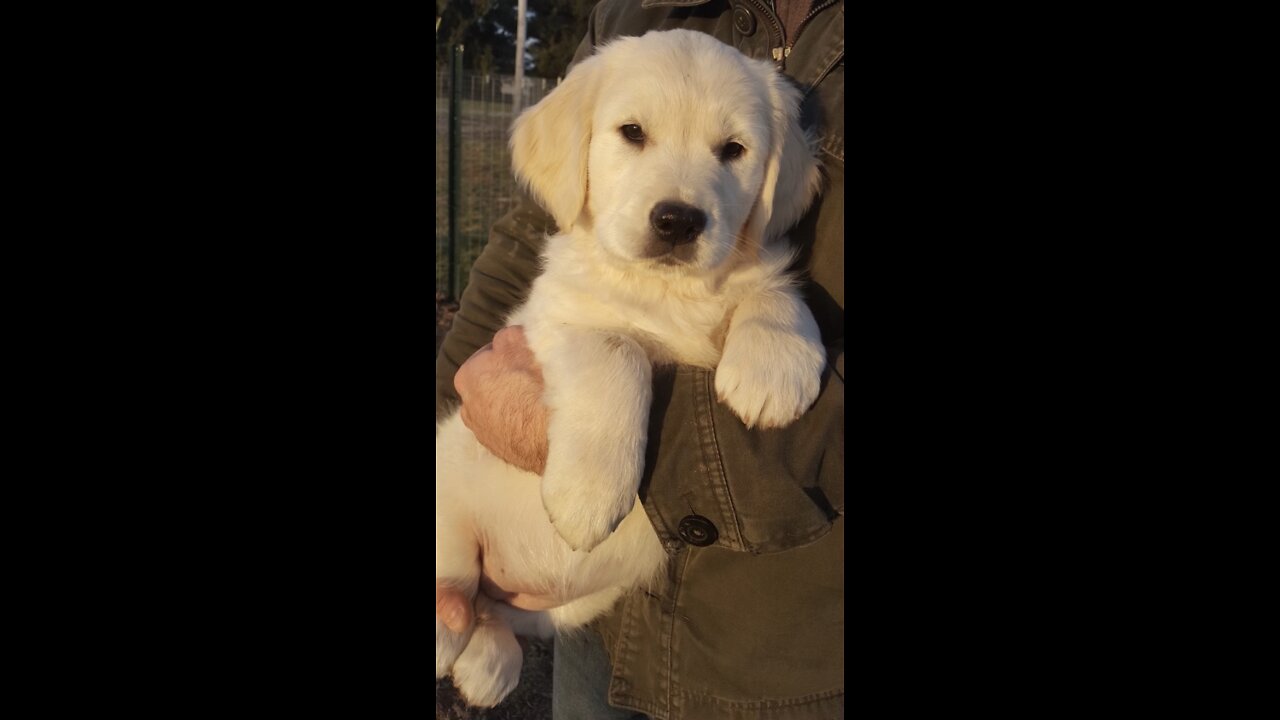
499	282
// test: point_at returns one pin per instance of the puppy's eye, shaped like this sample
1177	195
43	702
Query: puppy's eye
632	133
731	151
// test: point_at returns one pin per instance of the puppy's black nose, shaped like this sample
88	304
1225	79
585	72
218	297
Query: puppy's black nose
676	222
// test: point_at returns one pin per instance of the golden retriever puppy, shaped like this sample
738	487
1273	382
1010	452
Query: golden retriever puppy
672	164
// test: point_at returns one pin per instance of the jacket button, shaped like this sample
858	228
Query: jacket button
698	531
744	21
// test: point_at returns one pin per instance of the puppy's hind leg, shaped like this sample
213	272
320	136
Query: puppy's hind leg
458	566
489	668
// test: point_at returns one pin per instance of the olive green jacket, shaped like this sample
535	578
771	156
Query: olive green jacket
749	622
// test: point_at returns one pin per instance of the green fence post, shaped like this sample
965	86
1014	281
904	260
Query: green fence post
455	167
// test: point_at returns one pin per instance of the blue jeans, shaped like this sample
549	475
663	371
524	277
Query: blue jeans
580	680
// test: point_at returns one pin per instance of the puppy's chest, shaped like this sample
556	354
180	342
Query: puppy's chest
684	339
671	329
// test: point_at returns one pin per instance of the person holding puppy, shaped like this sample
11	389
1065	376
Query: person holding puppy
749	619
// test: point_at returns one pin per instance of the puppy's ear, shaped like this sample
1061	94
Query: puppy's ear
549	144
791	174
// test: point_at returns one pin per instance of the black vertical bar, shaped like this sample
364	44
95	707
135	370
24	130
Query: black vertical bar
455	167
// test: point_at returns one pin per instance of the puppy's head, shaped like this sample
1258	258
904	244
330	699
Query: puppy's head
671	149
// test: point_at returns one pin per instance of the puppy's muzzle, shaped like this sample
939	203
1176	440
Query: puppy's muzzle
675	227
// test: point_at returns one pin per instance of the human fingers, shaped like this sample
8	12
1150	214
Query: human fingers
512	347
452	608
471	369
509	338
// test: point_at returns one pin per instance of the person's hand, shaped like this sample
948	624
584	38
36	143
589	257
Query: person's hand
501	390
453	608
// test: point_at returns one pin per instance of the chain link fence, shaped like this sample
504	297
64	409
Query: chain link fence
487	185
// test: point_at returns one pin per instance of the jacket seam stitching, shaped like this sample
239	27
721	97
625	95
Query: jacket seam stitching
785	542
624	659
717	461
637	704
764	704
836	53
671	632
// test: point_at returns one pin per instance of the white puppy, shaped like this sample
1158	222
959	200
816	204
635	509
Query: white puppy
673	165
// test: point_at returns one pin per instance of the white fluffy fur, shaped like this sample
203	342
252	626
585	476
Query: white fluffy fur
601	315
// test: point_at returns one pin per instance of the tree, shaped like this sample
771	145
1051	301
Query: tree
558	26
486	28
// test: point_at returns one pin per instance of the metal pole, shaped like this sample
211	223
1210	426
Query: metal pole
521	12
455	167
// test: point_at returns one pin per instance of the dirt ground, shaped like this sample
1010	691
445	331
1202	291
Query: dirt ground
531	699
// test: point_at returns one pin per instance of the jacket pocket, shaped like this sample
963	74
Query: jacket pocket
710	481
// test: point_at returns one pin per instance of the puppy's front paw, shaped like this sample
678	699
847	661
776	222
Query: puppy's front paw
769	377
489	669
586	500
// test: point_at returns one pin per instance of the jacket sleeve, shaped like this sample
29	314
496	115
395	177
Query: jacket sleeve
499	282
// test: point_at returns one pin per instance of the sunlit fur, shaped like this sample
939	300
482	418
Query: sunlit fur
601	315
